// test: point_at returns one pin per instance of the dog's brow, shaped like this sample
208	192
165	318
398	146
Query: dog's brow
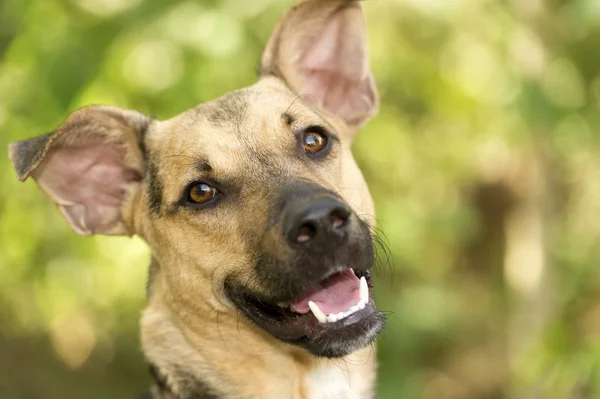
198	162
288	118
204	166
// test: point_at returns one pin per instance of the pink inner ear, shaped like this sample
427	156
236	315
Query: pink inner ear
335	68
88	185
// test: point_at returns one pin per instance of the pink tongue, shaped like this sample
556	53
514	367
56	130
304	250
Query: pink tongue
334	295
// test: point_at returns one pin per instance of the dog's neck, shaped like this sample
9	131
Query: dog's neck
221	355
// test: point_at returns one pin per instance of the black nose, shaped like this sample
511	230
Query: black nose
319	221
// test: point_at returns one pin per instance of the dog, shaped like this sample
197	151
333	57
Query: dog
257	215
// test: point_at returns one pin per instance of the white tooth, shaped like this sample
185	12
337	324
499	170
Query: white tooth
364	290
314	308
339	316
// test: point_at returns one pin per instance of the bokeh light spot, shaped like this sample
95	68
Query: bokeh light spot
154	65
107	8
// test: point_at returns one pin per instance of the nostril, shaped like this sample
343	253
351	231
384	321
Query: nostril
338	218
306	232
337	222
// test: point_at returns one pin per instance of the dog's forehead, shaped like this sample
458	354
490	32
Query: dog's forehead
240	123
251	117
242	134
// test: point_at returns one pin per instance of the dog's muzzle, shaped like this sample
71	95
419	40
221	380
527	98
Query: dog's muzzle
314	268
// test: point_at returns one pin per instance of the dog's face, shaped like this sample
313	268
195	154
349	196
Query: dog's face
251	203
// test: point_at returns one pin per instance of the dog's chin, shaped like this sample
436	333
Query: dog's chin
340	334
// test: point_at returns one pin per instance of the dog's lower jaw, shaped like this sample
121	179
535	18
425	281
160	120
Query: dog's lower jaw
234	359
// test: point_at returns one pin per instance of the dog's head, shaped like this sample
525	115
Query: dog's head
250	203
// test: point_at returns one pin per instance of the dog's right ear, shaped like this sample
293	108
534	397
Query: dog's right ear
88	166
320	50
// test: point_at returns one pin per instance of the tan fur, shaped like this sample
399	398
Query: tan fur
188	321
191	332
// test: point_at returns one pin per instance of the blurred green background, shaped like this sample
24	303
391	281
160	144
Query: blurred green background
484	163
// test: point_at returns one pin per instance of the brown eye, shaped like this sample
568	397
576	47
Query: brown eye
314	142
201	193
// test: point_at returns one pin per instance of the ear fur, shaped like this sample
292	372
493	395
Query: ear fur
87	165
319	49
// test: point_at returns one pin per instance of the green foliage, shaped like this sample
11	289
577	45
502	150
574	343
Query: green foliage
484	163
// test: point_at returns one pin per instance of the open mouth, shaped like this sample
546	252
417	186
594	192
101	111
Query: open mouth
334	298
332	318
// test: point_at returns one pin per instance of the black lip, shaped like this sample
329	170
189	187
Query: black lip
325	340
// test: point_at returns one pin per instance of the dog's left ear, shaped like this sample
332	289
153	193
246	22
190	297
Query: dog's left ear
89	166
319	49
